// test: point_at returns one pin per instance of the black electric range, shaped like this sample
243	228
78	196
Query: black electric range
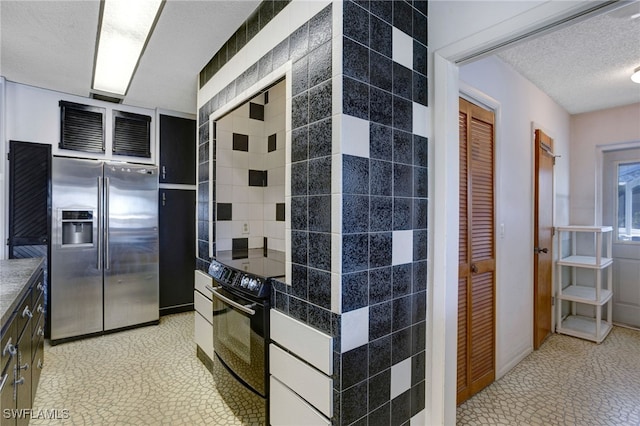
241	305
250	275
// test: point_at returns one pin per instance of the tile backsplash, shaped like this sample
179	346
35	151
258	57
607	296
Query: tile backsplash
250	172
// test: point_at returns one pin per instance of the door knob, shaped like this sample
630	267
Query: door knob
474	268
538	250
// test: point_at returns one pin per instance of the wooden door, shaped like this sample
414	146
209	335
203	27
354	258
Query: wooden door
542	238
476	270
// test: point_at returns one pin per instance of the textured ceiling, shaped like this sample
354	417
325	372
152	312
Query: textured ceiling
50	44
586	66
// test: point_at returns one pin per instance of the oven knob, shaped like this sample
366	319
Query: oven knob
244	282
253	284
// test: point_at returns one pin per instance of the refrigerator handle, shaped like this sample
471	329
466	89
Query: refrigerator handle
100	228
106	223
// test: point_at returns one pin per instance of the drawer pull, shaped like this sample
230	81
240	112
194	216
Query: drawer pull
9	348
40	287
40	331
40	309
40	364
27	312
20	381
24	367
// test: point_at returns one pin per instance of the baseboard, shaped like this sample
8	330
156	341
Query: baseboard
515	361
630	327
204	358
103	332
176	309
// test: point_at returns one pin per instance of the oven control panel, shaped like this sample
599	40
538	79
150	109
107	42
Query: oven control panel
238	280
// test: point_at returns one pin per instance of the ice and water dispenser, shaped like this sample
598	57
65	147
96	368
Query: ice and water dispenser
77	227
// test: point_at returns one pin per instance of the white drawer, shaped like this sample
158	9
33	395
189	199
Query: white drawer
203	334
306	381
201	281
288	409
312	345
203	306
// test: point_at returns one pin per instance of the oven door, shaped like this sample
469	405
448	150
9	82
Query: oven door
239	337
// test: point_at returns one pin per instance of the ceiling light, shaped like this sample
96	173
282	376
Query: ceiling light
635	77
125	27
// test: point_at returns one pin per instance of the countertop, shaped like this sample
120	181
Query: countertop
15	274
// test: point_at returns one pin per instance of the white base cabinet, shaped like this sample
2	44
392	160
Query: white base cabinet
301	369
203	327
590	250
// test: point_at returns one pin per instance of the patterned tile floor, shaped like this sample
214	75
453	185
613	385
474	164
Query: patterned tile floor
567	382
144	376
120	379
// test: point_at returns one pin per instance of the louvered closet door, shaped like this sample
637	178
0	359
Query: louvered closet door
476	271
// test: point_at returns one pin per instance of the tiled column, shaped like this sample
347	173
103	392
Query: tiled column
358	192
384	212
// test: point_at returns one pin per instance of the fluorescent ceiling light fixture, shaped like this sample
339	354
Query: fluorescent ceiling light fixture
635	77
124	31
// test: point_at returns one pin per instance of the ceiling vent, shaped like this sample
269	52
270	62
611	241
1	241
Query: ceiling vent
106	98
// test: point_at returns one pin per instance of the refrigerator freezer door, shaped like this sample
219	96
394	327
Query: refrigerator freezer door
76	277
131	294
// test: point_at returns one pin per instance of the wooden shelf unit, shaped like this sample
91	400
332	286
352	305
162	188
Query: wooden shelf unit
599	296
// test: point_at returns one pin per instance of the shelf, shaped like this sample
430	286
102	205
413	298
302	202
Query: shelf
584	328
580	228
587	295
585	262
597	244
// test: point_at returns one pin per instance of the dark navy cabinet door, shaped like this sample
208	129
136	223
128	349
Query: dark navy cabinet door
177	225
177	150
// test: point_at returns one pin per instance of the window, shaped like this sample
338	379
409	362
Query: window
628	217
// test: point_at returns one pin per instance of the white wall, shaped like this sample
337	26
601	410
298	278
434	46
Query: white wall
589	131
466	14
521	104
460	27
4	165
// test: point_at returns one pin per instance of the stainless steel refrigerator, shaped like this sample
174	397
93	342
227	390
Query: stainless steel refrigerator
104	252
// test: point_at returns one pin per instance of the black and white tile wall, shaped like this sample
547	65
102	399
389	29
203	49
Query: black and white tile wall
204	182
250	171
358	200
384	214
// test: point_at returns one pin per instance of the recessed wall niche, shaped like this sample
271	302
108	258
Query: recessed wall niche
250	172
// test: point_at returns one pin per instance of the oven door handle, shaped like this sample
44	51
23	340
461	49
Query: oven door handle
245	309
211	289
